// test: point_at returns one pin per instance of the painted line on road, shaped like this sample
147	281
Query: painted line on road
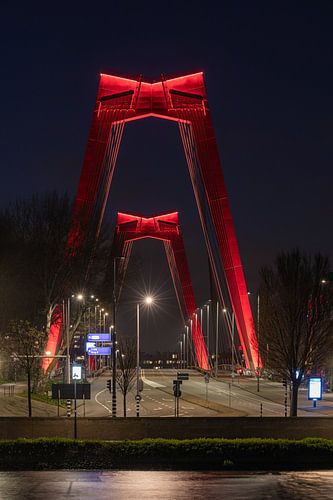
151	383
96	399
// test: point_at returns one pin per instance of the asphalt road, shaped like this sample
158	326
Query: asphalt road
217	398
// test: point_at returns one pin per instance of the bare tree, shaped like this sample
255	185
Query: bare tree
23	343
37	270
126	367
296	317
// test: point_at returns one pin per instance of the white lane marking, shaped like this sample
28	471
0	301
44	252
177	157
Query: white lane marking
96	399
151	383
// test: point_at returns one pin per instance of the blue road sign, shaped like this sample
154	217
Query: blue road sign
99	351
99	337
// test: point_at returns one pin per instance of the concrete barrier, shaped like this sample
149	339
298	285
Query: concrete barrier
180	428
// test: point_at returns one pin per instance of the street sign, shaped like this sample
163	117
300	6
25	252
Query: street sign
99	351
76	372
67	391
182	376
99	337
90	344
315	388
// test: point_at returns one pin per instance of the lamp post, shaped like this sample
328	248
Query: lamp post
208	331
196	331
148	300
191	352
114	355
217	340
114	341
258	352
181	353
232	340
186	327
202	337
67	314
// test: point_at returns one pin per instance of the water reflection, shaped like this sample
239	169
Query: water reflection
171	485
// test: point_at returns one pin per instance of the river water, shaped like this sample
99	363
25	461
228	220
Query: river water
173	485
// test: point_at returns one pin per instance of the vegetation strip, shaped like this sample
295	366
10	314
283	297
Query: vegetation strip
213	454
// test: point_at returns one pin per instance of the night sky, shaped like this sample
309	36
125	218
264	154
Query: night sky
269	77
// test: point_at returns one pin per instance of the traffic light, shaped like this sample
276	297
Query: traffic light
108	384
176	388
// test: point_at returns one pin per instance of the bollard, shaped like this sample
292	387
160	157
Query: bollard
68	407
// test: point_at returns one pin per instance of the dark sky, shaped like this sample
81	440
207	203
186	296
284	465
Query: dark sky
269	77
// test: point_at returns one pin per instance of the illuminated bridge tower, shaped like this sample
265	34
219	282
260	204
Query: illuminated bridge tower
183	100
165	227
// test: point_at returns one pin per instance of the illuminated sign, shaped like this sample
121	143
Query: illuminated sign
99	351
315	388
99	337
76	372
90	344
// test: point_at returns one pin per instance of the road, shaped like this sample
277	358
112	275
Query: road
217	398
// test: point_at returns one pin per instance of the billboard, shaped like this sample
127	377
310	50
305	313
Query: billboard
315	388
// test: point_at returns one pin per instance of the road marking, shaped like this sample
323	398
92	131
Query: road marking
96	399
151	383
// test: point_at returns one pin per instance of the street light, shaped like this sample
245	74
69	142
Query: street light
67	316
217	340
148	301
114	339
208	329
232	340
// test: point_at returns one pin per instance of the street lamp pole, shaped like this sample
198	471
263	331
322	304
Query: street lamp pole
202	337
208	332
181	353
114	345
232	345
68	357
192	361
138	360
217	339
258	352
196	330
148	301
